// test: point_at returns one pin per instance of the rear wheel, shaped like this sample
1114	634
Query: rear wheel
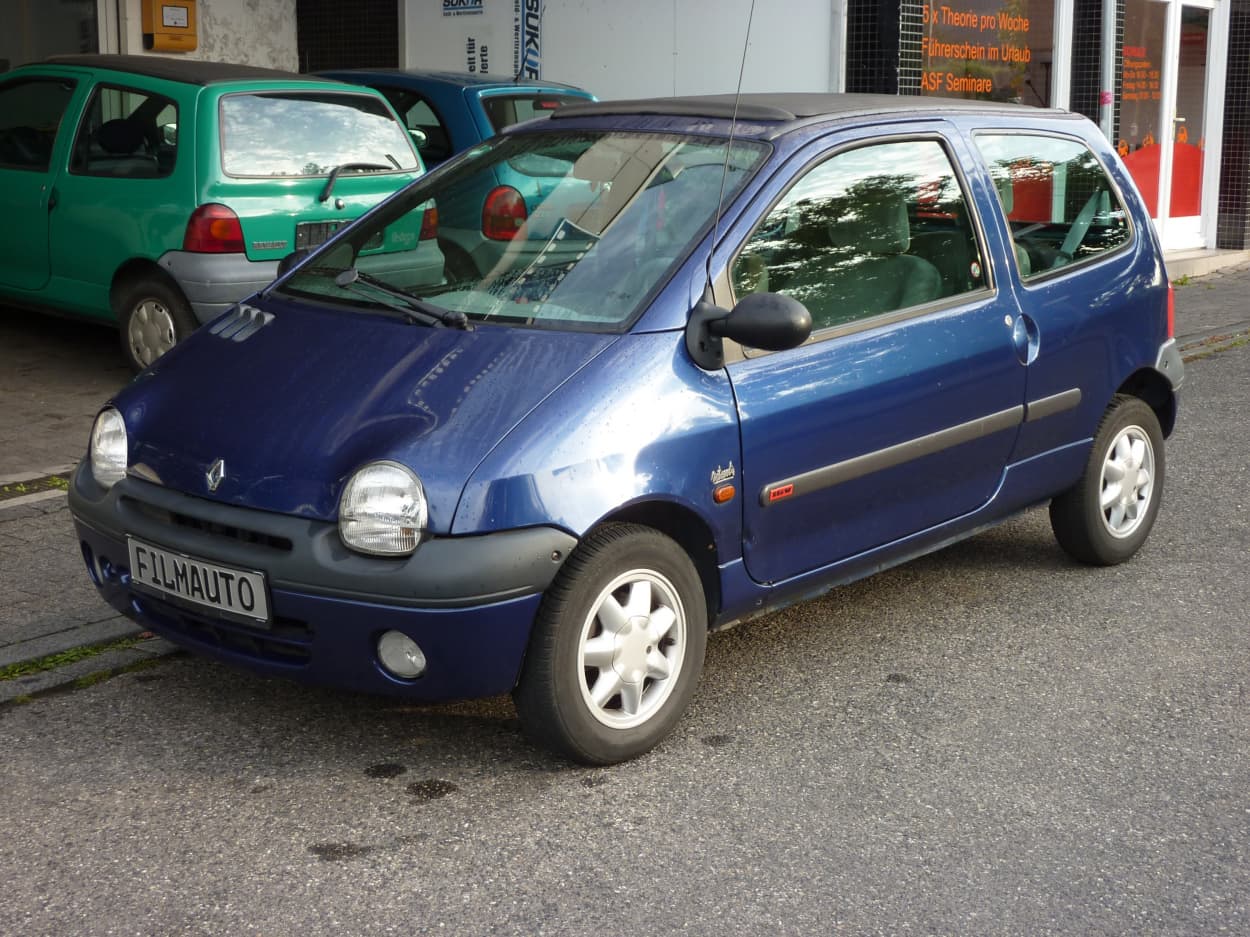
617	648
1105	518
458	266
153	316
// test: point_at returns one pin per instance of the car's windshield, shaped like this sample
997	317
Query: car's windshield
309	134
559	230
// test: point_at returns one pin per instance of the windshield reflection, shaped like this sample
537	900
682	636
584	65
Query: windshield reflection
561	230
308	135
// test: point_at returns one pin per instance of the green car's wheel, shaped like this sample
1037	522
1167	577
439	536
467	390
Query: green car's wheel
154	316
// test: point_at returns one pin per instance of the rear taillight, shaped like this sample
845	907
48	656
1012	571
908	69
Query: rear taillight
1171	310
503	214
213	229
429	224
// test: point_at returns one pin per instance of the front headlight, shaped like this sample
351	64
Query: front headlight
382	510
109	448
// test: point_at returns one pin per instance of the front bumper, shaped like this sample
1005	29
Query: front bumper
468	602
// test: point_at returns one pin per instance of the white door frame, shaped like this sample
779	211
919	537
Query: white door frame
1183	233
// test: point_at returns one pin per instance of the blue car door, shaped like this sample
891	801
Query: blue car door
901	411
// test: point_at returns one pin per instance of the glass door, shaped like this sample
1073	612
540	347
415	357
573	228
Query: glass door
1183	179
1164	127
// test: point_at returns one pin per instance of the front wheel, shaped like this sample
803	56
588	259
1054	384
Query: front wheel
617	648
1105	518
154	316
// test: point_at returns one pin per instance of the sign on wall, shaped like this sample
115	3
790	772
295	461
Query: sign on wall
483	37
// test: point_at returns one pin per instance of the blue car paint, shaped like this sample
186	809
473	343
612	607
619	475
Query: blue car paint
370	386
523	465
334	645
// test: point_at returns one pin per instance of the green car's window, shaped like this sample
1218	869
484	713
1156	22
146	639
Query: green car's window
867	232
123	135
30	114
506	110
1060	204
290	133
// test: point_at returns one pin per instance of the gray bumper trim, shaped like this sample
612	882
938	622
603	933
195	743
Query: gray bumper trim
1170	364
447	572
215	282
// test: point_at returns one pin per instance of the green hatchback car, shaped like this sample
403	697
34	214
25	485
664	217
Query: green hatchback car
159	192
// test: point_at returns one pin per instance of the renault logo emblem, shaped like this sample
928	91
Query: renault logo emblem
216	472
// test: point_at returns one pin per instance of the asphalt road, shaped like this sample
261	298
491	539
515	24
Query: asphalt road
990	740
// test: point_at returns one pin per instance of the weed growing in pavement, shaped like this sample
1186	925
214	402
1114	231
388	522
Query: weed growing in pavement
53	661
1228	342
1182	280
33	485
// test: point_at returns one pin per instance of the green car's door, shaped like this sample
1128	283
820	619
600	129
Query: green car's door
125	193
32	111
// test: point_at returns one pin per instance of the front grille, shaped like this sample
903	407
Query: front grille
286	641
237	534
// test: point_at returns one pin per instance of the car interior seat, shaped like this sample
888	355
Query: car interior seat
1006	195
865	270
119	148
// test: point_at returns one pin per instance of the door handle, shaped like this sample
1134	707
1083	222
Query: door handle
1026	338
52	198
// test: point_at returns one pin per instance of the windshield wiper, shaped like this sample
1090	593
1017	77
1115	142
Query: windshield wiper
346	167
416	308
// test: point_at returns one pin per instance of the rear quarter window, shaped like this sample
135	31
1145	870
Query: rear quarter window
1060	204
506	110
293	133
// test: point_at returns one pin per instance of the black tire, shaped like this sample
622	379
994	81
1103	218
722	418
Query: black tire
458	266
554	695
1105	537
153	316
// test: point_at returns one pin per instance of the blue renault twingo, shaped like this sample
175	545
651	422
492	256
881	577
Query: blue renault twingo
743	351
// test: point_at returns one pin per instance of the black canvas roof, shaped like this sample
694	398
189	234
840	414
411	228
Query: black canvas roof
191	71
789	107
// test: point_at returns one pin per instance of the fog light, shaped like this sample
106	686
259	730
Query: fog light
400	655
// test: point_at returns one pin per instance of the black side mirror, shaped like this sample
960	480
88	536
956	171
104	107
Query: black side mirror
769	321
291	259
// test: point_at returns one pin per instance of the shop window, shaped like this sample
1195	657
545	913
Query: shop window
991	50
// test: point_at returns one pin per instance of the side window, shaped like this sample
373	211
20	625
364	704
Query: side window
30	114
126	133
504	111
1060	205
868	231
418	115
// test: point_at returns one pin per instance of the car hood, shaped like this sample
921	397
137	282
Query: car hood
306	397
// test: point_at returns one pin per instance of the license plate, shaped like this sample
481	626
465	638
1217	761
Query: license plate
314	233
224	588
